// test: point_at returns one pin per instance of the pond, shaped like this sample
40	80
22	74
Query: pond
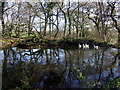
58	68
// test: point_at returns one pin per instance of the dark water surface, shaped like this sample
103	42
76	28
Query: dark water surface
73	68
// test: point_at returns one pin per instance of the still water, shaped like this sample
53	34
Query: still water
73	68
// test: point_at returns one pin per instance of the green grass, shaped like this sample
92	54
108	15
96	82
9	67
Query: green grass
24	35
92	35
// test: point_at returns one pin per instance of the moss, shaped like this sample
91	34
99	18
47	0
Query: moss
61	42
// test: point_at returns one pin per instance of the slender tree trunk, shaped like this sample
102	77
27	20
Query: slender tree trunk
102	17
29	25
50	22
50	26
65	24
40	26
65	19
3	26
2	19
19	21
116	24
69	19
57	23
78	14
45	26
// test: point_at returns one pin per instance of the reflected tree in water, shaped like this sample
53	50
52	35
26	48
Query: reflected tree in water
36	68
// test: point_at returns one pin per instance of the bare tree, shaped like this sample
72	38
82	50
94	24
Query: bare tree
114	7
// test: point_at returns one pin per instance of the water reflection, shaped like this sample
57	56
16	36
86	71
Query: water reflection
36	68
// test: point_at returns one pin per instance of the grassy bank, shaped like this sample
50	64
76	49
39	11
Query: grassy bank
33	42
7	42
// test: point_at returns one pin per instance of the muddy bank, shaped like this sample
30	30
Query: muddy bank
32	42
7	42
61	43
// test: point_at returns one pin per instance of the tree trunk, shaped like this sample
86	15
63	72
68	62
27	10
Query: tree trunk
40	26
50	26
78	12
29	25
69	19
65	24
64	19
45	26
2	19
57	24
116	25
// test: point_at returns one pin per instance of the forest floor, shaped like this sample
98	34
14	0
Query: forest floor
32	42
